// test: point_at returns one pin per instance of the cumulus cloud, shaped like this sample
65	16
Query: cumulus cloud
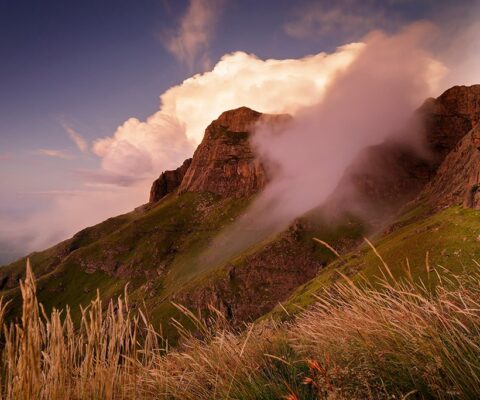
145	148
140	150
76	137
54	153
196	27
371	100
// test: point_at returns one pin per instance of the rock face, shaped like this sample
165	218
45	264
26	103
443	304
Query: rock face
382	179
264	279
168	182
457	181
389	175
450	117
224	163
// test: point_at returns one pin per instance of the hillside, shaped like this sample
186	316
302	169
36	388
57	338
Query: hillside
410	203
158	247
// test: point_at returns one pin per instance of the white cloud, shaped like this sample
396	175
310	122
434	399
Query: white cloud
76	137
143	149
165	139
54	153
192	38
140	150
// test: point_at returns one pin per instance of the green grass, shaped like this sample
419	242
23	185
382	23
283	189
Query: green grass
451	238
155	250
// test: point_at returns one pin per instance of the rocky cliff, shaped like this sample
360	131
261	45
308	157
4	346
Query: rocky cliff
450	117
168	182
224	162
457	181
385	177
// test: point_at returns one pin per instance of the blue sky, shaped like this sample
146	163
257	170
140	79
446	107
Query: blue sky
90	65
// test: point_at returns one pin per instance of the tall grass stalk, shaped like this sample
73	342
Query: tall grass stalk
396	339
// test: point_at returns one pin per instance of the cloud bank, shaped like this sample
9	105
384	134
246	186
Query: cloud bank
140	149
67	213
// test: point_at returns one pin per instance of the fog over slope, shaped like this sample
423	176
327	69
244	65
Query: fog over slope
371	100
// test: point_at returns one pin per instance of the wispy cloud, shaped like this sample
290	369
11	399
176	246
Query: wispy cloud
348	19
56	193
189	43
107	178
54	153
76	137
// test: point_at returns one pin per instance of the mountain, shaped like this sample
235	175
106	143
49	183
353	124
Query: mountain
168	182
387	176
410	202
458	178
159	247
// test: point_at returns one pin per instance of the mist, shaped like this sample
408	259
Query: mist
66	214
370	101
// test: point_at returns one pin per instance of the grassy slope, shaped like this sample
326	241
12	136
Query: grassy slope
451	238
344	232
159	242
159	249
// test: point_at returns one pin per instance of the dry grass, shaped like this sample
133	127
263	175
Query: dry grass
400	341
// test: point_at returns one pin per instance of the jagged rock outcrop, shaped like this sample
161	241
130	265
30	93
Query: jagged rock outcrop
457	181
168	182
450	117
224	162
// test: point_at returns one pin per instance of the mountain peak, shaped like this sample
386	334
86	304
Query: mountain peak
225	163
239	119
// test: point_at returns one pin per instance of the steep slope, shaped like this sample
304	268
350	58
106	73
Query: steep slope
457	180
440	228
420	243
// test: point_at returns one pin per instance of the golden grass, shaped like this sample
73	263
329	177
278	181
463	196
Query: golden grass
404	340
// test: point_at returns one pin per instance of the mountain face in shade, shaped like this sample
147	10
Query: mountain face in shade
168	182
457	181
386	176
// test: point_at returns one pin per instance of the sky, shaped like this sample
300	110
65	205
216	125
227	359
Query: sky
98	97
